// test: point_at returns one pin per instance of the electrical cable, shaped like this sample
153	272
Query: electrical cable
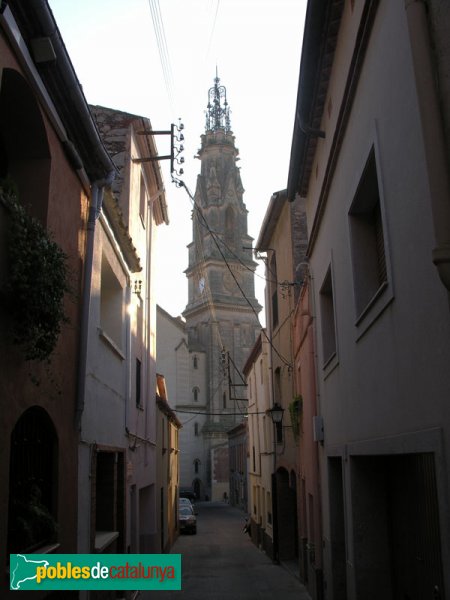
212	30
190	412
200	213
227	247
158	26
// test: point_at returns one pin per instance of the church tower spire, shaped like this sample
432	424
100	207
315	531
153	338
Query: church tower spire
218	111
221	314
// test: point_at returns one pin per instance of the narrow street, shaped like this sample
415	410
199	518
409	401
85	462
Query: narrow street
221	563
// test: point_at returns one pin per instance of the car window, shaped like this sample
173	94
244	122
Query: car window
186	510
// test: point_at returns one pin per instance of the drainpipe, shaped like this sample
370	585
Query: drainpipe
95	208
433	133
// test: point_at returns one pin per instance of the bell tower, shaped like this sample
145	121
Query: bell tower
221	314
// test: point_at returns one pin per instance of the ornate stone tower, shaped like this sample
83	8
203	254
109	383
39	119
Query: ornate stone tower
221	312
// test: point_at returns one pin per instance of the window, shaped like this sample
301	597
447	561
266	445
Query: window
196	465
108	498
196	429
279	430
111	304
195	362
224	400
195	393
33	483
269	512
139	352
327	318
274	288
367	239
138	382
142	200
277	395
230	227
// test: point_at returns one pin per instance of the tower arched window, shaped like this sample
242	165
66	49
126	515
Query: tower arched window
224	400
196	429
196	465
195	361
195	394
230	226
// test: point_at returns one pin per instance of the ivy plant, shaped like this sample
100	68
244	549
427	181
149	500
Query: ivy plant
36	281
295	409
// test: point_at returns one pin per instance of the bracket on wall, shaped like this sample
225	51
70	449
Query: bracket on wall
175	150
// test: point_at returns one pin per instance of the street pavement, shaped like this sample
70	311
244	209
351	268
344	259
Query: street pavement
220	562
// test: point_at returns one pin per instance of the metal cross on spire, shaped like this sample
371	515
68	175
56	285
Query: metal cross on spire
218	111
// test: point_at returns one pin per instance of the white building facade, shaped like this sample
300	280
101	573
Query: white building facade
117	462
185	375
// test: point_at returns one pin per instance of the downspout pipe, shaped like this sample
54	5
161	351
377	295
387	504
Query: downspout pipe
433	133
97	192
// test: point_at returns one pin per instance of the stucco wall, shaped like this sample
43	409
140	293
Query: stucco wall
386	390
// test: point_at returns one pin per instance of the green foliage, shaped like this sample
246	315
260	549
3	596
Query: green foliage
37	279
295	409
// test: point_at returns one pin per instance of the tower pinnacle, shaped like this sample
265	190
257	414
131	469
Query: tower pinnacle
218	111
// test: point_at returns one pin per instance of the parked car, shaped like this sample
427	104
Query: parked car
187	519
187	502
189	494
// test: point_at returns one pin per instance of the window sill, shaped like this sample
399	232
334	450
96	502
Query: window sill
103	539
47	549
371	303
330	364
109	342
374	308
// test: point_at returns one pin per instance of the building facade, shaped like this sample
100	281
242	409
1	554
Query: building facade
283	240
167	467
370	156
309	433
117	411
52	164
261	445
238	467
185	377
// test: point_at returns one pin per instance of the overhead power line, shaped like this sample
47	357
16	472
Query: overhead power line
210	414
158	26
181	183
211	35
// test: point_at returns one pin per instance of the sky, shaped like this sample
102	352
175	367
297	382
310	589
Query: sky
158	59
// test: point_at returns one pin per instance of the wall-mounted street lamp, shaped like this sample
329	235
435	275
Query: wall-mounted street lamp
276	413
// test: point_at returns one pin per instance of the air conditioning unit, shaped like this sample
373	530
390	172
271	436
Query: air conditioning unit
318	429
